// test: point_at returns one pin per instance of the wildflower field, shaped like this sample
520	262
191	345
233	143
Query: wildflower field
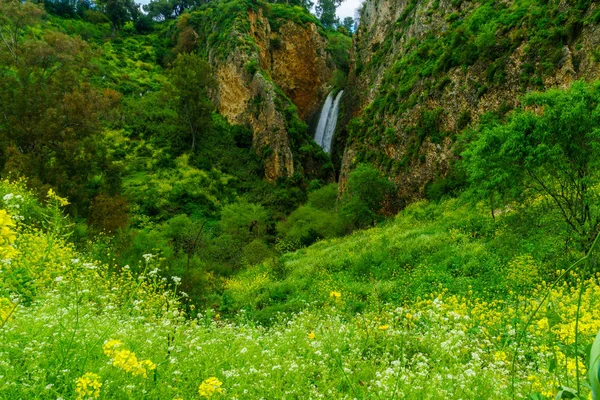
75	328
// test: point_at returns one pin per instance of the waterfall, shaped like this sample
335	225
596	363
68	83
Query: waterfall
328	121
331	123
322	125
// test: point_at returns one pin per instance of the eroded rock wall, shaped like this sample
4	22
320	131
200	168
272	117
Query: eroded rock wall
262	74
391	30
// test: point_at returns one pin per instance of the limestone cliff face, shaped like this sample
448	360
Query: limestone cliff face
299	66
391	37
265	76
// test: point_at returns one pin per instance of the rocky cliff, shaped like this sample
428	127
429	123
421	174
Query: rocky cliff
424	70
273	71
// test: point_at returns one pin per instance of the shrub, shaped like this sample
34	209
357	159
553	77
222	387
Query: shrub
363	201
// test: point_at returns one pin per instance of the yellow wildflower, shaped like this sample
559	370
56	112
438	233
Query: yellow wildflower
111	346
60	200
7	236
6	309
335	295
543	324
88	386
209	387
500	356
384	327
127	360
312	335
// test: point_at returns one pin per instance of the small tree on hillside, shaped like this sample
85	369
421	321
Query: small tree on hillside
348	23
244	221
118	12
366	192
326	12
191	82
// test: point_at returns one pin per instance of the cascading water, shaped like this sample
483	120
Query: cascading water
328	121
322	125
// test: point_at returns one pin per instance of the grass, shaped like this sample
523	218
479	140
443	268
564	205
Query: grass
450	243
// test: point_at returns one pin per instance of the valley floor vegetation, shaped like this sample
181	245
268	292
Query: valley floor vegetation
74	327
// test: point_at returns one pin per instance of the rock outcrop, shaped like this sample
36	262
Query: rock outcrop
299	66
396	119
265	76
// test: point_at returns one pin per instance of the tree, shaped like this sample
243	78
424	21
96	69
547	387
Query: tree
191	83
244	221
366	192
315	220
349	24
326	12
160	9
67	8
169	9
306	4
548	150
118	12
14	18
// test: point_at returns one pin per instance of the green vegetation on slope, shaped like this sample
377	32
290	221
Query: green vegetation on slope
486	33
451	243
123	124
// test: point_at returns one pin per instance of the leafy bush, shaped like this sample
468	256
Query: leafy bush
364	197
278	14
546	150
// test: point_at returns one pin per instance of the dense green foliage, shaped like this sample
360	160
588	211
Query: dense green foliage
548	151
136	146
51	114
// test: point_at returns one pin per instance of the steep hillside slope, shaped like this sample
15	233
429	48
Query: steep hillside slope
425	70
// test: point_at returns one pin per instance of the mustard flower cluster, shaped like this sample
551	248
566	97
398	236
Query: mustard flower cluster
60	200
7	236
6	309
209	387
127	360
88	386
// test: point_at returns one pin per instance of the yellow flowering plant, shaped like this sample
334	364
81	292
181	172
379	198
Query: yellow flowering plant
88	386
61	201
7	236
210	387
126	359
